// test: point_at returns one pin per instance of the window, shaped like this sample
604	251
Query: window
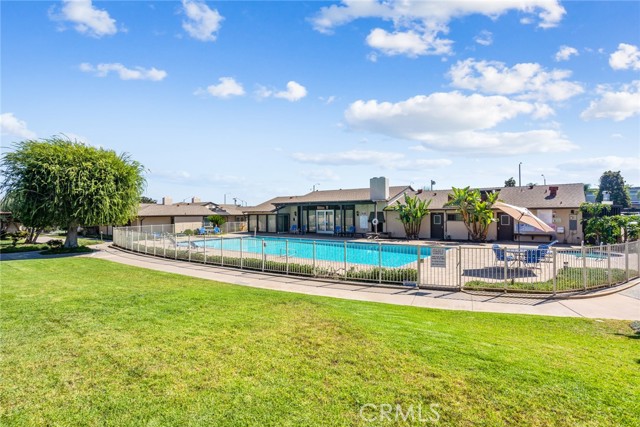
454	217
437	219
505	220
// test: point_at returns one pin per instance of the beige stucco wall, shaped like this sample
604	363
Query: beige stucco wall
456	230
152	220
561	219
492	234
187	222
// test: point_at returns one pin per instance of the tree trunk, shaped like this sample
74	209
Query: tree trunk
34	233
72	236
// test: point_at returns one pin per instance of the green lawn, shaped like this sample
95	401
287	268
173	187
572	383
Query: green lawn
7	247
89	342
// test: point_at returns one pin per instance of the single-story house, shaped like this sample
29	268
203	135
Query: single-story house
557	204
322	211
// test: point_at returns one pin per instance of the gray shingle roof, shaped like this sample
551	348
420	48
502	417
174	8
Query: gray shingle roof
178	209
267	207
339	196
539	196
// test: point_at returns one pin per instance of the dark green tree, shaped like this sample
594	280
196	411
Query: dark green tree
58	182
145	199
510	182
613	182
218	220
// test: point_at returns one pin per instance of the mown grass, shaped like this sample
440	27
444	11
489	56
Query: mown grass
6	246
89	342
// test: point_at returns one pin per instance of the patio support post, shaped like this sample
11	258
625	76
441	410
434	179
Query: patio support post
584	267
506	265
286	255
379	262
418	266
555	270
626	260
189	248
241	254
609	264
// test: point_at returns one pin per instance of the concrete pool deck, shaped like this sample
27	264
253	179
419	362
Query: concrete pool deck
622	305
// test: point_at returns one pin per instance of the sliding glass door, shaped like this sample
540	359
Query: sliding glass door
325	221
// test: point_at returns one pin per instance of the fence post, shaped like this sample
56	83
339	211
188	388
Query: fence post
175	243
263	245
418	266
222	251
584	266
204	247
506	265
554	252
286	255
314	258
609	278
459	266
241	254
626	260
189	247
164	248
379	261
154	243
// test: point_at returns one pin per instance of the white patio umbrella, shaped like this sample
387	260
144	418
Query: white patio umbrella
523	215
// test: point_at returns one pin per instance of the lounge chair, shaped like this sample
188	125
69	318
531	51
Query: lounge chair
201	231
303	230
351	231
501	256
216	230
533	257
293	229
338	231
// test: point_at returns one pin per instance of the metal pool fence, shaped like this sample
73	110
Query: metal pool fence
503	268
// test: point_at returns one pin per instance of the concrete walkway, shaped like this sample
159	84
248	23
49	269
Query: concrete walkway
623	305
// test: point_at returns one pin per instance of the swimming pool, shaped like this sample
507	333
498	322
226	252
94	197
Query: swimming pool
356	253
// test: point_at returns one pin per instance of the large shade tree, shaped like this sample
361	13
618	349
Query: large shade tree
58	182
475	209
411	213
613	182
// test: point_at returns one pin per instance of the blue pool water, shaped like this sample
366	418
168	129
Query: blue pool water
357	253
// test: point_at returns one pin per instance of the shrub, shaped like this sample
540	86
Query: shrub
54	243
18	235
188	232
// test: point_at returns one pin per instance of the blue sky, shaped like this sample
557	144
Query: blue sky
259	99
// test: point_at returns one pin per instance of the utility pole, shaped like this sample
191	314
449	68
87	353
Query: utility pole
520	174
544	179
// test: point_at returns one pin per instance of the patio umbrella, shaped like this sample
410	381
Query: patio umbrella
523	215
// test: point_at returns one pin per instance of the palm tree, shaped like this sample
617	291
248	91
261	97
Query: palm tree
411	213
476	213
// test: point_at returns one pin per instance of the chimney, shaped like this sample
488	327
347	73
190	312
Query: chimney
553	191
195	199
166	200
379	189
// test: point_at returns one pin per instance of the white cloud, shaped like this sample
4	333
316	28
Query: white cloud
485	38
202	23
616	105
617	136
10	125
136	73
417	25
456	122
438	112
383	159
295	92
526	80
328	100
227	87
409	43
601	163
626	57
320	175
187	178
565	52
86	18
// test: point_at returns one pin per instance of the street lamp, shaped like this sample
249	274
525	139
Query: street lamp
544	179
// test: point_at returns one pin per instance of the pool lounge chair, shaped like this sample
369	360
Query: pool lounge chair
338	231
201	231
303	230
533	257
293	229
351	231
501	256
216	230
